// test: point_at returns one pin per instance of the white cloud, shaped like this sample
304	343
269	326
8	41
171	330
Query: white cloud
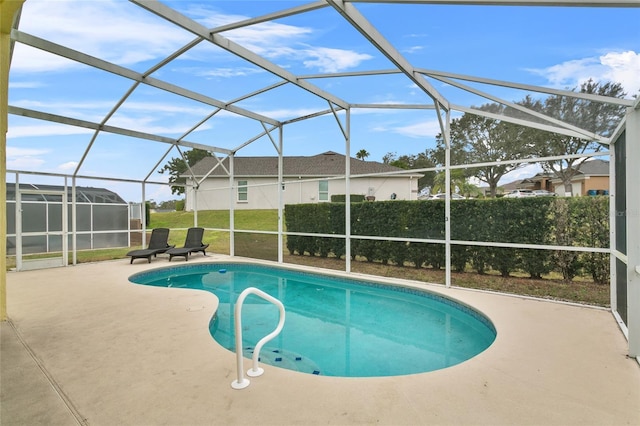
70	165
413	49
13	152
333	60
419	130
274	41
25	163
229	72
115	31
165	118
24	158
618	67
124	34
25	85
45	130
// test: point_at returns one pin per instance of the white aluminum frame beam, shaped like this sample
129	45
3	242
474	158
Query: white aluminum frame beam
101	64
633	228
24	112
195	28
523	122
562	3
360	23
585	133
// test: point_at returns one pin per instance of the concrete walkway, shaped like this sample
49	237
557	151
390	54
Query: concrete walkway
86	346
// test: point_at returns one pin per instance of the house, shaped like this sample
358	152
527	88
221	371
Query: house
592	178
307	179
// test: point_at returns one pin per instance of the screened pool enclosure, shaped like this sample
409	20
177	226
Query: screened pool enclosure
277	114
101	221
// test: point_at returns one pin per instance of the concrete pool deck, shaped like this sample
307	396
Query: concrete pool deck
86	346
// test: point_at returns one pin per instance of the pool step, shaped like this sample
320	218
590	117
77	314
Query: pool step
284	359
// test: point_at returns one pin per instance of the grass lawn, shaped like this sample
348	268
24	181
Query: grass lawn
264	246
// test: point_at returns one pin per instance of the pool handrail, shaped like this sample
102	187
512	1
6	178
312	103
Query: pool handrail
242	382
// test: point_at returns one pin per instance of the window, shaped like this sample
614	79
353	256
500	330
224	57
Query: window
242	190
323	190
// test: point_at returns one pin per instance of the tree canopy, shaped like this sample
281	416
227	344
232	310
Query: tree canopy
176	167
597	117
412	162
477	139
362	154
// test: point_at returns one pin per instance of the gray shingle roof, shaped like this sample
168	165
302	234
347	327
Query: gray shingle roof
326	164
595	168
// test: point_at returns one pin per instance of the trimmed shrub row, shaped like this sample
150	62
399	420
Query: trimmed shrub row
578	221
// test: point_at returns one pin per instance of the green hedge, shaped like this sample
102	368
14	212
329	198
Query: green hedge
340	198
578	221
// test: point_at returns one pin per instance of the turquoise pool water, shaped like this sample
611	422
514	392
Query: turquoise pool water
335	326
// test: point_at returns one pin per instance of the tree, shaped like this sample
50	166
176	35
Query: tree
457	179
176	167
411	162
597	117
362	154
477	139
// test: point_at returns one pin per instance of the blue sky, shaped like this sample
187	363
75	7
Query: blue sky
556	47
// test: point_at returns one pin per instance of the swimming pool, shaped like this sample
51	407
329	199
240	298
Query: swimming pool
335	326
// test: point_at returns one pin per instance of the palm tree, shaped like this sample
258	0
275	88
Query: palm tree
457	180
362	154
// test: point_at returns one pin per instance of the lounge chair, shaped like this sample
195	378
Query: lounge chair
192	244
157	244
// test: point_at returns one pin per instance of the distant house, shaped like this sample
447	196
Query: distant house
308	179
539	181
592	178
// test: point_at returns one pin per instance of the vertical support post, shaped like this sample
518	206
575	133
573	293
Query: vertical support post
74	222
280	196
18	224
613	288
633	228
232	199
195	206
143	214
347	189
8	12
65	224
447	200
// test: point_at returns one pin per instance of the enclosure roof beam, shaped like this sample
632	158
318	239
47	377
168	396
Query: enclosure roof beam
271	16
488	81
561	3
109	129
27	172
521	122
529	87
585	134
360	23
393	106
94	62
234	48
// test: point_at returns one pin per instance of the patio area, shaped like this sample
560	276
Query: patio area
86	346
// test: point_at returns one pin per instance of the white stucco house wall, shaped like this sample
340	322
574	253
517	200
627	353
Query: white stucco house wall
307	179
